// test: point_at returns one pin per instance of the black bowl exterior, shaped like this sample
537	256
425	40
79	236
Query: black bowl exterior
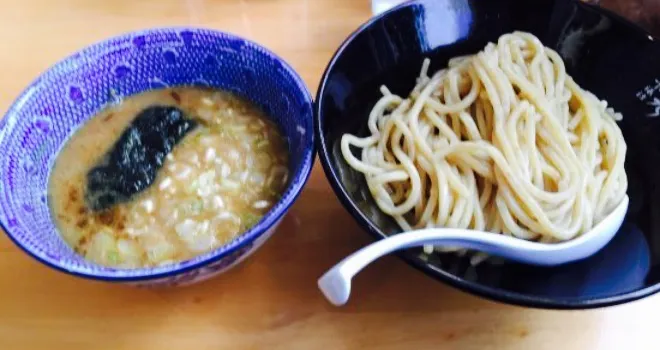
605	54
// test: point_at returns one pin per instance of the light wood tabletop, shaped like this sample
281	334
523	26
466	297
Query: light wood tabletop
270	301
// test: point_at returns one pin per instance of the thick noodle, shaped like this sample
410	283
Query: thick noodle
501	141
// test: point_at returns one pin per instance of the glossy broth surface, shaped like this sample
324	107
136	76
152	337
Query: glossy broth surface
217	182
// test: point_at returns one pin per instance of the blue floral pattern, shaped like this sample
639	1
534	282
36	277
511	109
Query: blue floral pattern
73	90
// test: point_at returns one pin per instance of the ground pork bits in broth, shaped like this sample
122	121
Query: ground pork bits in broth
218	181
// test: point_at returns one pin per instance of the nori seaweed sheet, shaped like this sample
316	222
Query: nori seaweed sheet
133	162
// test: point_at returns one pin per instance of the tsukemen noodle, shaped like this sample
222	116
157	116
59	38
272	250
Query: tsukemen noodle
501	141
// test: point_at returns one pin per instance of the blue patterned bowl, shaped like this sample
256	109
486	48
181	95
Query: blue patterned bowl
73	90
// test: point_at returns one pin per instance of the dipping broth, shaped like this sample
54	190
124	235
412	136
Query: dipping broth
216	182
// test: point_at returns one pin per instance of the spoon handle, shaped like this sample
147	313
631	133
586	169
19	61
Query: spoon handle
336	283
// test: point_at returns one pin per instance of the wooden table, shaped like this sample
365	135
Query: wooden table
271	301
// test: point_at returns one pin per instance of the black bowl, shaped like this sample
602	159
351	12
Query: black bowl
604	53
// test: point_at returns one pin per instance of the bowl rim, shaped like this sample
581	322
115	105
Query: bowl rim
271	218
491	293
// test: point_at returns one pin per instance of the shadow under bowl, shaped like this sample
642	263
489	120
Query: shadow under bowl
605	54
58	102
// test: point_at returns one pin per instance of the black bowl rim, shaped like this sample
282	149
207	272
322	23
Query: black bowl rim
487	292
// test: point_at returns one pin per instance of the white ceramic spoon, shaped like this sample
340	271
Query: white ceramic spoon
336	283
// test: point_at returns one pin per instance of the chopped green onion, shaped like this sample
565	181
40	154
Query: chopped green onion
193	186
196	207
248	220
237	128
262	143
229	184
271	192
113	257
